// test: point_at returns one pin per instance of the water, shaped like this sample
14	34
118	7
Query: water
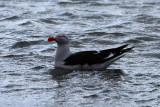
27	74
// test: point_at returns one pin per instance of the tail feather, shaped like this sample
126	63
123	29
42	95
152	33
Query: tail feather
126	50
120	53
122	47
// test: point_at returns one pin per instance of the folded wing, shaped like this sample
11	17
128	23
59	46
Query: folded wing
95	57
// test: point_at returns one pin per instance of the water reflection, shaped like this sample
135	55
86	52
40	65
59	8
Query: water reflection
86	86
58	73
111	74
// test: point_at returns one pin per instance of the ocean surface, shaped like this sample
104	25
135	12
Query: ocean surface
27	74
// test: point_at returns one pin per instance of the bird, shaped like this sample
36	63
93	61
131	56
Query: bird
84	60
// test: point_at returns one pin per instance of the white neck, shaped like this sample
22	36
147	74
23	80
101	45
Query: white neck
62	53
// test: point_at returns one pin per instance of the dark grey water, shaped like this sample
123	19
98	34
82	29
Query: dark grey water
27	74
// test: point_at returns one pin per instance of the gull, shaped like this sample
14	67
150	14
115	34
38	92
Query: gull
84	60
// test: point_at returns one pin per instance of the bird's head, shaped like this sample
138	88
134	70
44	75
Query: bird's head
60	38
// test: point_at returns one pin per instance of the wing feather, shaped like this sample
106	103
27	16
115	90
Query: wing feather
95	57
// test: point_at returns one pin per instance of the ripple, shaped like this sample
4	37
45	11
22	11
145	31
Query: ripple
72	2
64	2
12	86
157	85
104	42
96	33
147	19
94	17
117	34
91	96
146	38
15	55
68	14
26	23
155	55
15	74
152	3
98	3
147	100
11	18
22	44
48	50
38	67
133	41
12	90
49	21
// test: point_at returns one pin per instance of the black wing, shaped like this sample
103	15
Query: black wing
95	57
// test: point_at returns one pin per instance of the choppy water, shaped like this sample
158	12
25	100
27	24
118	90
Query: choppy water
27	74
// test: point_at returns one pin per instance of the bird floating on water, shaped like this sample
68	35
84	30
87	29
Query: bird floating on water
85	60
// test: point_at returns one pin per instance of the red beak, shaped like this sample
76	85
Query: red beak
51	39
